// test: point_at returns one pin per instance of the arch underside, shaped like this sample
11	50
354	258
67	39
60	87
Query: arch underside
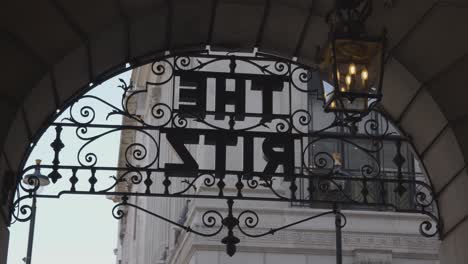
53	50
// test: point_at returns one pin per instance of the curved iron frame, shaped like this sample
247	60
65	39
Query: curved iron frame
320	169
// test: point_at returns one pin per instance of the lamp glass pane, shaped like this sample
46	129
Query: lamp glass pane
358	64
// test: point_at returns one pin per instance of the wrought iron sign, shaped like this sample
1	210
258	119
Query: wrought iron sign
220	126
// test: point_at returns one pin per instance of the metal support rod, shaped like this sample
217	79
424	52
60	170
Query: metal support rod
31	231
338	226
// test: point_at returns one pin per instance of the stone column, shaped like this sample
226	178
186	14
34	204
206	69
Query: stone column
4	239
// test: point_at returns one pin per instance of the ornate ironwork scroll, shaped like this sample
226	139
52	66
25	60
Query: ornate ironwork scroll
256	107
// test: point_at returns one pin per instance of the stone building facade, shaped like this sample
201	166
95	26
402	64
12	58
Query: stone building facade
369	237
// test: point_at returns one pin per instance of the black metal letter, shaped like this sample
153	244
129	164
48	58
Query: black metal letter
275	158
188	167
221	141
192	94
248	157
236	98
267	86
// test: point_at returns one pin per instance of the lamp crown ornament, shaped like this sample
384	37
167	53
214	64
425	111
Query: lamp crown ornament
349	16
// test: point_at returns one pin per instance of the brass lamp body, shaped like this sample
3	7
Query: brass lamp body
353	68
352	61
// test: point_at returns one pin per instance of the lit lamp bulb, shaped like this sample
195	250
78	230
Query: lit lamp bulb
348	80
333	104
364	76
352	69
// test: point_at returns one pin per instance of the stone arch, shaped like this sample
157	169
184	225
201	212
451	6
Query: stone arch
79	46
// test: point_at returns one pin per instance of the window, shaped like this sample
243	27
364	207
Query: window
393	156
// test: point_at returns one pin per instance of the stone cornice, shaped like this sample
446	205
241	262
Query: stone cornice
322	240
316	238
317	243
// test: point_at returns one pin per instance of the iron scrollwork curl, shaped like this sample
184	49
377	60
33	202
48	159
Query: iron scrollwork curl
163	69
301	76
210	218
430	228
209	180
22	212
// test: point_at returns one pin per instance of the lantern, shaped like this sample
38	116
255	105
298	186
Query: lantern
352	61
36	179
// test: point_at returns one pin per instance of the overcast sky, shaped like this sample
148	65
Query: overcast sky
73	229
